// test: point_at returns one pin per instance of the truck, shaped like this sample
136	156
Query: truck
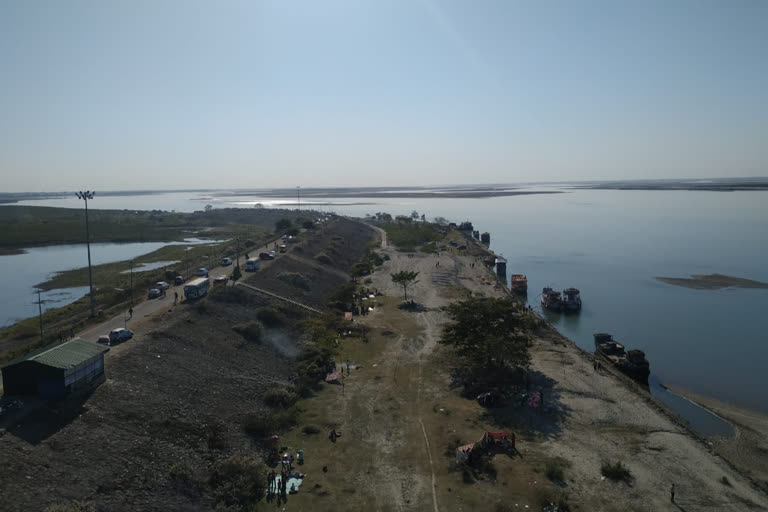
197	288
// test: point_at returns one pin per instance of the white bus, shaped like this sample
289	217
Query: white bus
252	265
197	288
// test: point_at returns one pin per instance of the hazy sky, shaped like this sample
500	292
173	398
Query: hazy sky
127	94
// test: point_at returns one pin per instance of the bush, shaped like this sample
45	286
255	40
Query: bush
555	469
251	331
294	279
616	472
324	258
72	506
270	317
238	481
279	398
310	430
262	424
184	479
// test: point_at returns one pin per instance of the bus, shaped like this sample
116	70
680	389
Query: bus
197	288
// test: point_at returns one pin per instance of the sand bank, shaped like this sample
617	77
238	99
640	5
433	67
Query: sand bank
712	282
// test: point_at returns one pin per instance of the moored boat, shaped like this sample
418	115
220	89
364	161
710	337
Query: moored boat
551	299
571	300
518	283
632	363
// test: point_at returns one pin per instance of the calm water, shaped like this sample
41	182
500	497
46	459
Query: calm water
21	272
610	244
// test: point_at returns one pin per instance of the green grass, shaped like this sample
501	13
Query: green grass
407	237
616	472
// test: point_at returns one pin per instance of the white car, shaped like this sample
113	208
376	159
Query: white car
120	334
225	262
162	285
202	272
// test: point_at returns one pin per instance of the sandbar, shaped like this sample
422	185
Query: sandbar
712	282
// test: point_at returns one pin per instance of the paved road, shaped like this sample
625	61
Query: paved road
145	308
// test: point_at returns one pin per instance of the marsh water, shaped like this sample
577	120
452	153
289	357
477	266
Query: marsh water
611	244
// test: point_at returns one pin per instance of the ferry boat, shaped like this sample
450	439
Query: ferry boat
571	300
551	299
632	363
518	283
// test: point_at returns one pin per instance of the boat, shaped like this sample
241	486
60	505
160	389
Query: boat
571	300
518	283
632	363
551	299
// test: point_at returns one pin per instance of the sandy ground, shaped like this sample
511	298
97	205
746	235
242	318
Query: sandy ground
593	417
748	449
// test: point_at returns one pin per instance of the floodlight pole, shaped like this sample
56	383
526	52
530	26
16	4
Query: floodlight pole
40	310
85	196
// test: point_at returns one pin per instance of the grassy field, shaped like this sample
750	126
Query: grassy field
409	236
26	226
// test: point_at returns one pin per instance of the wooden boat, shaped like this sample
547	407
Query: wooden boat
551	299
518	283
632	363
571	300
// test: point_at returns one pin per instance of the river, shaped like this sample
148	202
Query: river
610	244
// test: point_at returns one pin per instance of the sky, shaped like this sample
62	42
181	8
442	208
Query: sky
137	94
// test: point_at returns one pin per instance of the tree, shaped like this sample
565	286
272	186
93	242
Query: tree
489	333
283	224
208	208
258	205
236	274
423	217
405	279
441	221
308	224
415	215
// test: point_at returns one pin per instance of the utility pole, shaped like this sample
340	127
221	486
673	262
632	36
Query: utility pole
131	284
85	196
40	309
298	197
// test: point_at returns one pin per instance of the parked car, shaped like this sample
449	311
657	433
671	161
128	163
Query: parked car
162	285
225	262
202	272
120	334
221	280
103	339
154	293
178	280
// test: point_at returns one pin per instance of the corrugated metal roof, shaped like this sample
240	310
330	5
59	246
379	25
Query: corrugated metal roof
64	355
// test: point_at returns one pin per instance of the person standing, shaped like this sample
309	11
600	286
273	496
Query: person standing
672	493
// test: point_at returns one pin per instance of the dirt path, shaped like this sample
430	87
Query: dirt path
398	412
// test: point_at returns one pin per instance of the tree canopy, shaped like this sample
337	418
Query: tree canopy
405	279
489	332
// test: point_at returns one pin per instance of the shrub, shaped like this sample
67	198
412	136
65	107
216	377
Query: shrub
251	331
294	279
323	258
279	398
262	424
616	472
238	481
310	430
555	470
270	317
72	506
184	479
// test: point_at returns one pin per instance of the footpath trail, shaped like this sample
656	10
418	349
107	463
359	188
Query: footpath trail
401	422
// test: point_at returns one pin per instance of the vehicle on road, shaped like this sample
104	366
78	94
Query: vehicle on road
225	262
154	293
197	288
103	339
267	255
252	265
202	272
120	334
220	280
178	280
283	247
162	285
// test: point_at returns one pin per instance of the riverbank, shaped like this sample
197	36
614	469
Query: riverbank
748	449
